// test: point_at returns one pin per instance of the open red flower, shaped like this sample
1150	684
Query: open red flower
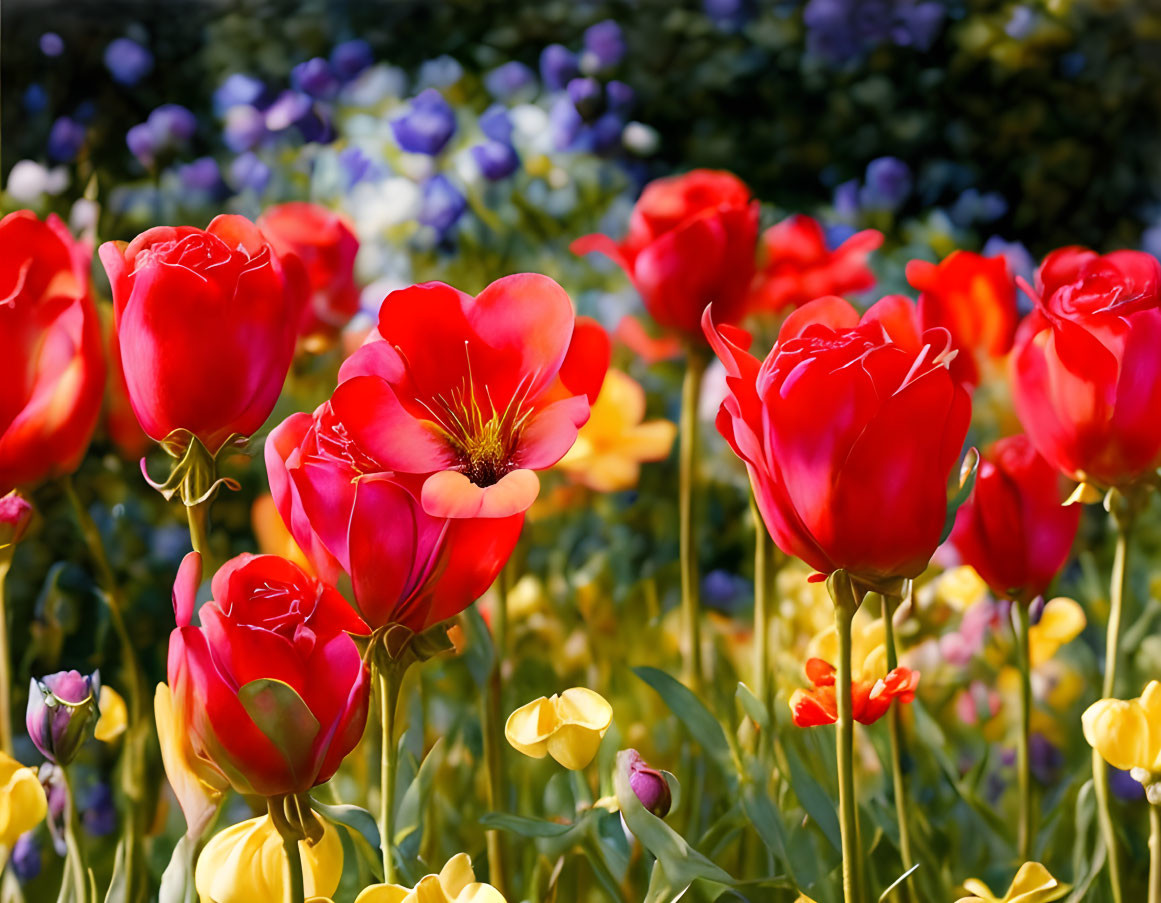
849	430
1014	528
326	245
691	243
52	369
972	297
1086	372
473	395
271	688
797	266
869	699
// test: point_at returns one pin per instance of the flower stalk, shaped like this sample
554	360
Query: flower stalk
493	727
1154	853
895	731
1025	831
695	366
846	603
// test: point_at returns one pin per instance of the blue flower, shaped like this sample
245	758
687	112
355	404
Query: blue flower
201	175
974	207
427	126
65	139
142	144
727	15
442	205
558	65
1021	24
127	61
288	109
1020	261
1124	786
35	99
100	816
249	173
606	133
837	233
564	123
496	124
506	81
172	124
886	185
351	58
238	90
495	159
51	44
587	96
245	127
722	590
25	858
619	96
846	199
442	72
604	44
356	166
314	77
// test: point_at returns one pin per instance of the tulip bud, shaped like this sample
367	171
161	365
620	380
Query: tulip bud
649	784
61	711
15	516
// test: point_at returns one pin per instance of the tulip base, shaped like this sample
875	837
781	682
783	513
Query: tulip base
295	822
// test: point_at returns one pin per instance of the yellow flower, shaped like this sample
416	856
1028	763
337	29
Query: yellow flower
246	863
114	715
196	783
1032	884
608	452
960	587
22	801
456	883
868	648
1127	733
568	727
1061	622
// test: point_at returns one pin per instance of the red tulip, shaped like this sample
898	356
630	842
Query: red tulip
849	436
347	514
326	244
52	371
471	395
1014	529
1086	370
799	267
206	322
869	699
691	243
271	687
974	298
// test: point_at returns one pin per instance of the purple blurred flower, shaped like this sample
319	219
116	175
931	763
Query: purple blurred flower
244	128
356	166
728	15
350	58
846	199
315	77
316	126
427	126
51	44
886	185
441	72
973	206
837	233
249	173
1020	261
172	124
1022	23
1045	758
564	123
61	708
35	99
1124	786
495	159
288	109
142	144
238	89
496	124
25	858
65	140
127	61
587	96
604	44
100	812
722	590
619	96
202	174
506	81
558	65
843	30
442	204
649	785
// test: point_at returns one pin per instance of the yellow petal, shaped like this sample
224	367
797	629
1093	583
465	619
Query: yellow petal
480	893
980	891
578	705
383	893
246	862
1119	731
197	784
22	800
574	746
529	727
457	874
1061	622
114	715
1035	884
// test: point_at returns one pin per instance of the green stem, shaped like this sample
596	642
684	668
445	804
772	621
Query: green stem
762	574
1025	831
389	680
75	858
1100	773
5	662
1154	854
295	885
687	491
199	518
895	731
845	605
493	727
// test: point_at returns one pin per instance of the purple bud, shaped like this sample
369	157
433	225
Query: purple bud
558	65
605	43
588	97
314	77
127	61
249	173
61	707
506	81
495	159
427	126
442	205
51	44
25	860
238	89
886	185
650	785
15	516
350	58
65	140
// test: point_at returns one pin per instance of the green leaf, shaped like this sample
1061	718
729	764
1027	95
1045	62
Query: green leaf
704	727
767	823
814	799
967	479
753	706
118	884
362	828
177	885
409	817
681	862
525	827
479	652
282	715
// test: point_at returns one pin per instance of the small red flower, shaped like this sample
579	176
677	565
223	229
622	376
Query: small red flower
870	699
797	266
